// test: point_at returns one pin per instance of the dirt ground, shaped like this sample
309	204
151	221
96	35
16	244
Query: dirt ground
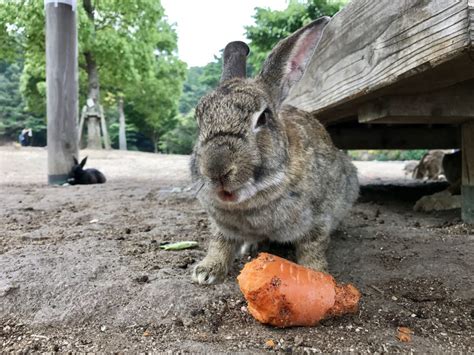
81	268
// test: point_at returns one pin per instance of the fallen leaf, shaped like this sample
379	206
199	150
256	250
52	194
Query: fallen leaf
186	244
404	334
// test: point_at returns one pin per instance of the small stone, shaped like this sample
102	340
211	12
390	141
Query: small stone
95	220
146	333
103	328
187	321
394	298
142	279
244	309
298	340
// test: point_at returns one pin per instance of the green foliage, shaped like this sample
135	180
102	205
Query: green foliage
193	90
13	115
272	26
199	81
385	155
131	132
180	140
153	106
133	45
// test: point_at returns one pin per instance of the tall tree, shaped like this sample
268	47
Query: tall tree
122	44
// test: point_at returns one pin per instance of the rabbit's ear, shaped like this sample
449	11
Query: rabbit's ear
75	161
234	64
287	62
83	162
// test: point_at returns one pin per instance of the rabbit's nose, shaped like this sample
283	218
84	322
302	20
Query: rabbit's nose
217	164
221	176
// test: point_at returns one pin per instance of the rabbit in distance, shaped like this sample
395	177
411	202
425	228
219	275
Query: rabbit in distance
81	176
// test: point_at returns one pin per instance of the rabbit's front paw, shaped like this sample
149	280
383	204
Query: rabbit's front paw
315	262
209	272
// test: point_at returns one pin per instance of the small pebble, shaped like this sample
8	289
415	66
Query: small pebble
298	340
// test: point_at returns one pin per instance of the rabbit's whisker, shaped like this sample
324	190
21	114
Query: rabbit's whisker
200	188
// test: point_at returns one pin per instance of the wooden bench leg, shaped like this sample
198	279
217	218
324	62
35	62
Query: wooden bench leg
468	172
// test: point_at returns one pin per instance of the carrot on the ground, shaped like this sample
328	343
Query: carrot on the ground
285	294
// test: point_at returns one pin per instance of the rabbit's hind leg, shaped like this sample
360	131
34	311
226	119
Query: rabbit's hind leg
214	267
311	252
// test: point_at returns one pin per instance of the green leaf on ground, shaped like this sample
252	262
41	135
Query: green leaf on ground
186	244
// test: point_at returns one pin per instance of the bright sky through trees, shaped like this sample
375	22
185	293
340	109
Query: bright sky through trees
204	27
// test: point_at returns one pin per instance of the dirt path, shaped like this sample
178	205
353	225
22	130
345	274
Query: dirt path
81	270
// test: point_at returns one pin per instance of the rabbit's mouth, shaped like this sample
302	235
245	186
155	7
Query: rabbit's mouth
227	196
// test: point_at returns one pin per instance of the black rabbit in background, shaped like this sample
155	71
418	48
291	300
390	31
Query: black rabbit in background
81	176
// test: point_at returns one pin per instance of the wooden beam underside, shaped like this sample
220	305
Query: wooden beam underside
362	136
449	105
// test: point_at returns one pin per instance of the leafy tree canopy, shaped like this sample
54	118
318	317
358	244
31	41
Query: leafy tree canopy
132	43
272	26
13	116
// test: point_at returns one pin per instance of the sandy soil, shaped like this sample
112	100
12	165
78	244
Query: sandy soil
81	268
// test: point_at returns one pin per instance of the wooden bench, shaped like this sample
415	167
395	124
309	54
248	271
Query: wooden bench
397	75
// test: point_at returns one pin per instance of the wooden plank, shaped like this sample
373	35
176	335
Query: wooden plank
468	172
442	76
468	153
361	136
471	22
450	105
62	90
370	45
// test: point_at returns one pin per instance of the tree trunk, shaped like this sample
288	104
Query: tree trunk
62	90
105	131
93	97
93	93
155	141
93	133
122	135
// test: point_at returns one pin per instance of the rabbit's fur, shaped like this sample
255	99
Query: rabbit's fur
81	176
268	171
430	166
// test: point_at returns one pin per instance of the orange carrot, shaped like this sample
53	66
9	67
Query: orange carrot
285	294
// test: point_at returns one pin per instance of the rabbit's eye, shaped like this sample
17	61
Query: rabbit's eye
263	118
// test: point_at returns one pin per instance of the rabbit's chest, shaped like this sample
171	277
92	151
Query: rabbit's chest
285	221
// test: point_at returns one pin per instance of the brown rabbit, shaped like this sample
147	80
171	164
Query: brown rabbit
268	171
430	166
